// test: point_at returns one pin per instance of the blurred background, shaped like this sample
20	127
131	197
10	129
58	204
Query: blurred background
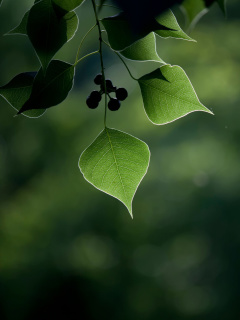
67	249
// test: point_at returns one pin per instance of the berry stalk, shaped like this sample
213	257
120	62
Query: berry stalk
101	58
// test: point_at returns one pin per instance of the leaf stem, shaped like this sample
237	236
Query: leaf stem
87	55
119	56
101	58
79	48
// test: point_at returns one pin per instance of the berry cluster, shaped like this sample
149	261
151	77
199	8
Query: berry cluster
95	96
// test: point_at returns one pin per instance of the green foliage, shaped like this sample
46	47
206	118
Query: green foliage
143	50
50	88
115	162
18	91
163	99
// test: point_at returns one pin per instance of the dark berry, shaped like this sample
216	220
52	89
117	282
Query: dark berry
98	79
91	103
121	94
95	95
109	86
114	104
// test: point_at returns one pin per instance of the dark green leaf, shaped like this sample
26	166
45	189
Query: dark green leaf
52	87
143	50
18	91
116	163
168	95
120	33
47	32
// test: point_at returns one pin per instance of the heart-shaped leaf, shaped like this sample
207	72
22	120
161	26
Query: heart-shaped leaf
168	95
47	32
52	87
143	50
121	34
116	163
18	91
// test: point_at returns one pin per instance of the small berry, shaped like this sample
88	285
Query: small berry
98	79
91	103
109	86
96	95
114	104
121	94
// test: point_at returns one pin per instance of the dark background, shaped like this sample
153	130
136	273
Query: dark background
67	249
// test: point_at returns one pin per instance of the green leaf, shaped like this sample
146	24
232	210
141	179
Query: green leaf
168	20
52	87
116	163
68	5
47	32
168	95
0	2
143	50
22	27
222	5
121	34
18	91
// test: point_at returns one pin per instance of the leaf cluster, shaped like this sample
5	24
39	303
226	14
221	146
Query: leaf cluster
115	162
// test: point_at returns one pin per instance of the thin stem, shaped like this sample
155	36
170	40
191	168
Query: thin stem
122	61
87	55
79	48
101	58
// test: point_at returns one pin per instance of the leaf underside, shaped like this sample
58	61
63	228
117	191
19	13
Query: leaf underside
168	95
121	34
143	50
52	87
115	163
18	91
47	32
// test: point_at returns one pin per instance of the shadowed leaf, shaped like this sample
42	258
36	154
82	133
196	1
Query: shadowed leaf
47	32
52	87
18	91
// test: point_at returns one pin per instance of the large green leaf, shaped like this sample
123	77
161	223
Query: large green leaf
52	87
168	95
68	5
116	163
143	50
121	34
18	91
168	20
47	32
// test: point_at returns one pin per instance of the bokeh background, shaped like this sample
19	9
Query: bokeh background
67	249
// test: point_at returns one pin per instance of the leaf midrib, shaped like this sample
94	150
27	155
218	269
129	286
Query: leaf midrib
115	160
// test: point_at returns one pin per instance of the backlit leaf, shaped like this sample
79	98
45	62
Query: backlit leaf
52	87
68	5
18	91
121	34
116	163
168	20
143	50
168	95
47	32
